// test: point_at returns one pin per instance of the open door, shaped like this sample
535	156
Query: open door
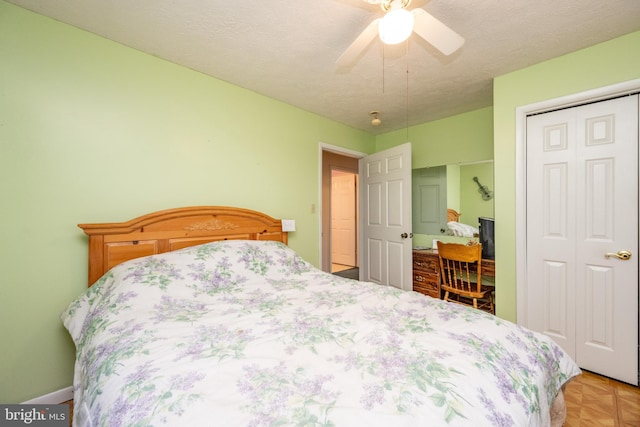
386	235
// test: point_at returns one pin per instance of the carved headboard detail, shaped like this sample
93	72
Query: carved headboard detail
113	243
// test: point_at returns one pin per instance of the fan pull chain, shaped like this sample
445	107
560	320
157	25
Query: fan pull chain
407	76
383	51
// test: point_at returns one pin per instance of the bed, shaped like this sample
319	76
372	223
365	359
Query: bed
218	322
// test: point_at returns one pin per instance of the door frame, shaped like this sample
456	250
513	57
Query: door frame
522	112
325	264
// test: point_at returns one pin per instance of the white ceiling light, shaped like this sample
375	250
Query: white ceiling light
397	24
375	121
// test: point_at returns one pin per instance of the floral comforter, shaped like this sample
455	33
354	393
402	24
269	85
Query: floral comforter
246	333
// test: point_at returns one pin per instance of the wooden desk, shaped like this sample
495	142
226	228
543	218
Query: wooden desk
426	271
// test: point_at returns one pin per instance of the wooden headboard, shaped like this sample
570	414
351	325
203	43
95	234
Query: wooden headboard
113	243
453	215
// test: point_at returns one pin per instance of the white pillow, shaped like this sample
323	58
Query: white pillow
462	230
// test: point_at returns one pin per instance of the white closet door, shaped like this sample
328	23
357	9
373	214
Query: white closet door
582	203
551	235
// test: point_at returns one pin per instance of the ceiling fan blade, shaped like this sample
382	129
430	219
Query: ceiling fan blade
435	32
359	45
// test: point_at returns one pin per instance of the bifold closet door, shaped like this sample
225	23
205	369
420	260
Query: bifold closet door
582	224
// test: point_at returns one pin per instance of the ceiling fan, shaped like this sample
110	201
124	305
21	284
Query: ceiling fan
397	25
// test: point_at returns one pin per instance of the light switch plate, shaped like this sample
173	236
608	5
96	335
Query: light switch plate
288	225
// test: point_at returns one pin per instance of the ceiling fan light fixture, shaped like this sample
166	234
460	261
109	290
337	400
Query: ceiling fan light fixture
396	26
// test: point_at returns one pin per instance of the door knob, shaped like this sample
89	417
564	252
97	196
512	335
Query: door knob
623	255
405	235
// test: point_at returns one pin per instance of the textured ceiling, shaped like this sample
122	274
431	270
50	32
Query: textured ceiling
288	50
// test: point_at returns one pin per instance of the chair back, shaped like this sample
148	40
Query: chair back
461	266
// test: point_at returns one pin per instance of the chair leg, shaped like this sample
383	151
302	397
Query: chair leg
446	296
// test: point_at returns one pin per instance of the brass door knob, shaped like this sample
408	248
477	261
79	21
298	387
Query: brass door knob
623	255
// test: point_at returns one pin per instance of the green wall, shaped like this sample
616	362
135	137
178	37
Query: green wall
472	205
453	187
93	131
461	138
601	65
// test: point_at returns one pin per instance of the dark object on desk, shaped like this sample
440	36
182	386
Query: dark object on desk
487	238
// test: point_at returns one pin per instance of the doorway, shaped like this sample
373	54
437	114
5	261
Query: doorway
340	224
383	212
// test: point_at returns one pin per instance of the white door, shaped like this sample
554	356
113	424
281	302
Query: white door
582	205
430	195
343	218
385	185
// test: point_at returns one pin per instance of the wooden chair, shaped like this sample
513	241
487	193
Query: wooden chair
461	276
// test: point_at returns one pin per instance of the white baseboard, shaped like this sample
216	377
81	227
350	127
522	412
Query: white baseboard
53	398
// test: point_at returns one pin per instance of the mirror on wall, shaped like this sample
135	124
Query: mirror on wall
464	188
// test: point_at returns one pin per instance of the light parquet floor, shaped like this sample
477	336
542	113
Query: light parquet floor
340	267
595	401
